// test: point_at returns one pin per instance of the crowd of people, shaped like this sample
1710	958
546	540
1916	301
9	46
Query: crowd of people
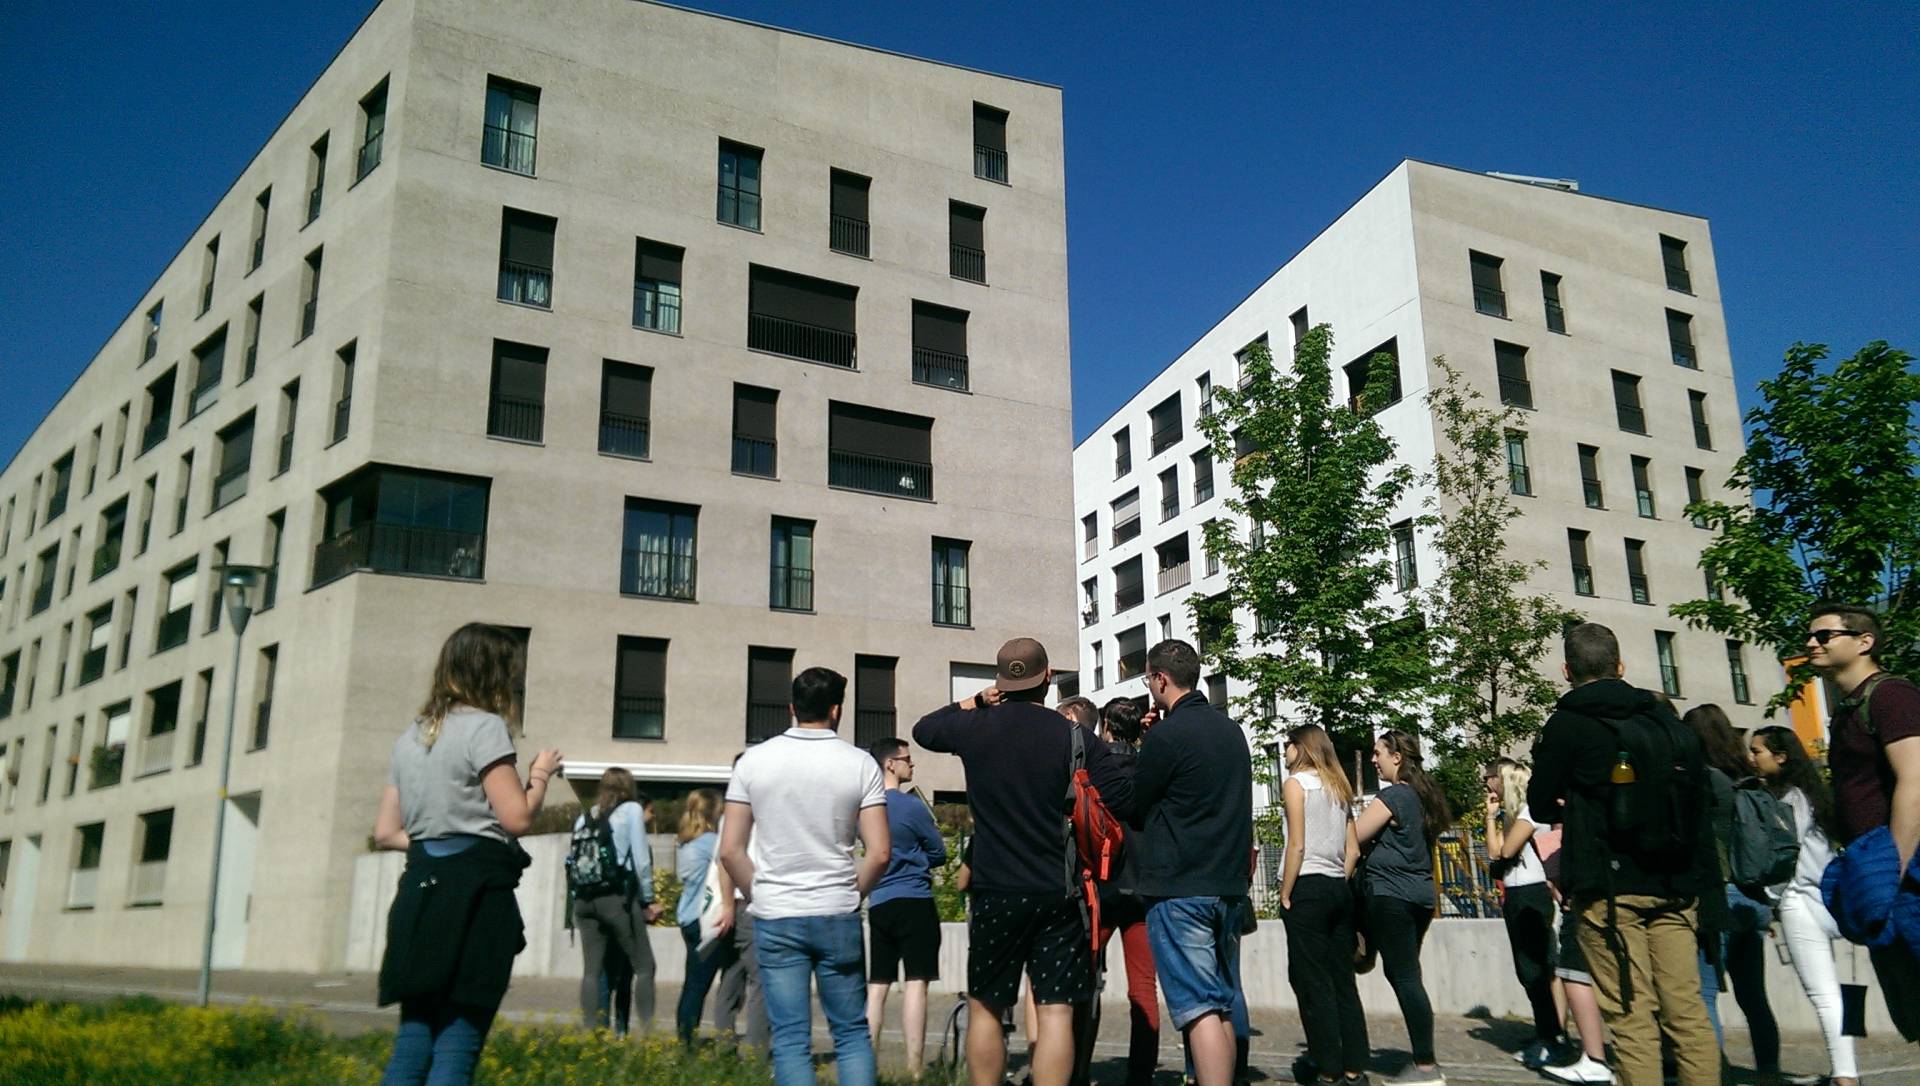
1643	859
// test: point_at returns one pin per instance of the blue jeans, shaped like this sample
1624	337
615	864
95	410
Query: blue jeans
1196	951
701	969
829	950
437	1045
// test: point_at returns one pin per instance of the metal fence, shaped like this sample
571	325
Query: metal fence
1460	871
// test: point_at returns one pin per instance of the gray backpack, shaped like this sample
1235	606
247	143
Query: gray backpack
1765	845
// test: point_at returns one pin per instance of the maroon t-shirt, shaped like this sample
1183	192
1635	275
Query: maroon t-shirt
1862	778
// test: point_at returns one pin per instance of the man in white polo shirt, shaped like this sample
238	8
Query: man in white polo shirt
807	794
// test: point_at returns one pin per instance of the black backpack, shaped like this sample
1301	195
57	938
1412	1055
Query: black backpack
593	866
1766	844
1657	819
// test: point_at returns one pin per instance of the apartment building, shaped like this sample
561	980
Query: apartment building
697	351
1599	320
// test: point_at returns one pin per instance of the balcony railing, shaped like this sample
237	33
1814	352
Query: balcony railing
270	592
1516	391
658	574
1169	507
262	724
149	882
624	435
83	888
1128	596
285	459
1091	615
342	415
1406	574
250	361
1124	530
1742	693
790	588
400	548
1702	437
1556	318
56	503
872	725
152	346
516	418
259	252
174	627
93	664
1631	418
942	368
1176	576
1678	278
880	475
309	316
1596	498
952	605
1644	499
1684	355
1133	664
1203	488
229	485
1637	583
106	765
1520	479
966	262
990	162
156	751
1582	580
106	557
754	456
206	295
848	235
798	339
766	719
639	716
1099	676
1670	679
656	306
1122	464
1490	300
43	595
197	749
369	156
508	149
313	202
527	284
154	432
1166	437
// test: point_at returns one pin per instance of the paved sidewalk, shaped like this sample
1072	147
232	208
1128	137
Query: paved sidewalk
1473	1052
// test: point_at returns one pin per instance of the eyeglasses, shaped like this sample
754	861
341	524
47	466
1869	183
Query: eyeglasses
907	758
1824	636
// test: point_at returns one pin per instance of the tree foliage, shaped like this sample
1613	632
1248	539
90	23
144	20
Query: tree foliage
1830	462
1316	481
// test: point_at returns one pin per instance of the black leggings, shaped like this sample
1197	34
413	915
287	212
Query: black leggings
1397	929
1320	945
1529	916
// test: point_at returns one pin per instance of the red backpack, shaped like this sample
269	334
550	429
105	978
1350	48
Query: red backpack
1099	837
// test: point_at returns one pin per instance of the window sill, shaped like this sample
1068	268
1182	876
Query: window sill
364	176
738	226
868	257
648	459
1561	332
993	180
881	494
966	390
76	908
309	222
145	904
855	368
638	738
332	443
524	305
953	625
343	575
792	610
303	338
625	595
152	773
964	279
659	331
1496	316
215	509
756	475
255	750
502	438
497	168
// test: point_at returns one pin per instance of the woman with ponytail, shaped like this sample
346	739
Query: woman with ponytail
1400	827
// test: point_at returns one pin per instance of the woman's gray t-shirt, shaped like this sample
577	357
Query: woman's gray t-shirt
440	791
1400	866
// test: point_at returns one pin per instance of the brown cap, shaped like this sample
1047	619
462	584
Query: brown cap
1022	665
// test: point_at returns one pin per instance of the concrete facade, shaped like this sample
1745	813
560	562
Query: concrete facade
1395	266
633	101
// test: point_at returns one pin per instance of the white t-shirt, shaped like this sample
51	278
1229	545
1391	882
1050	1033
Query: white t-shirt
1526	869
1816	852
807	788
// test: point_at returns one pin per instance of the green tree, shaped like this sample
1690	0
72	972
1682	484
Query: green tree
1489	634
1830	464
1316	481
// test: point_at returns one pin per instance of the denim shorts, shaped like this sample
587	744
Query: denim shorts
1196	951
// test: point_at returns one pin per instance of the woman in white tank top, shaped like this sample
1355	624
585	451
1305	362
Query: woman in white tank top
1316	900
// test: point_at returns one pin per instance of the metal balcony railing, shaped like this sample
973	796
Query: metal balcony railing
285	459
656	306
1516	391
1590	487
1166	437
1644	499
516	418
790	588
1203	488
342	415
149	882
1702	437
270	592
754	456
154	432
1678	278
43	595
526	284
93	664
1742	693
259	252
1556	318
952	605
1133	664
872	725
799	339
174	627
1637	582
1490	300
1124	530
508	149
1520	479
990	163
106	557
1128	596
262	724
309	316
880	475
1670	679
156	752
659	574
966	262
152	346
313	201
1176	576
369	156
229	485
1631	418
1582	580
766	719
848	235
1090	616
1169	507
942	368
624	435
197	746
206	295
56	503
400	548
1684	355
639	716
1406	574
204	394
1122	464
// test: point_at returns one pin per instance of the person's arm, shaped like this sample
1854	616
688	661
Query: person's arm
389	827
1904	821
930	839
735	830
1511	842
1293	799
514	804
640	851
1151	775
963	878
1373	821
943	730
878	840
1353	848
725	923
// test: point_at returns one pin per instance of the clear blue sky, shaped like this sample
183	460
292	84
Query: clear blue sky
1211	138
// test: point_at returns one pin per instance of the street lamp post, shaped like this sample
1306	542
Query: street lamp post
240	585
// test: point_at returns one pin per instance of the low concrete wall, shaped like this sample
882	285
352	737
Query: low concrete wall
1467	965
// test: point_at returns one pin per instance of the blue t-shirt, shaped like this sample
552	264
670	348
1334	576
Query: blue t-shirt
918	848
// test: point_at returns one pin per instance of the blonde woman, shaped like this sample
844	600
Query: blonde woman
1527	906
454	804
616	917
1317	904
699	836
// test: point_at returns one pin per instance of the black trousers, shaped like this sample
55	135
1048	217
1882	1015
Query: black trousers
1528	913
1398	928
1320	946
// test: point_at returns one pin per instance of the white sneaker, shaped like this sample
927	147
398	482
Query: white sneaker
1584	1069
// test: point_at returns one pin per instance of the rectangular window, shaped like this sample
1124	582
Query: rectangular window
847	227
289	415
59	486
1090	535
1488	297
45	577
526	258
1301	326
236	459
221	551
1637	571
258	251
755	431
1626	403
1406	568
93	459
1590	477
1213	559
879	452
163	722
401	520
208	264
309	295
1122	452
1669	666
1132	646
83	885
263	683
120	428
316	177
176	621
93	663
343	360
250	360
1643	486
512	126
790	565
1202	476
1680	339
150	871
150	340
1089	601
769	692
874	715
1556	310
739	196
952	595
9	682
659	550
73	562
109	759
1673	257
1129	585
1697	493
656	285
275	533
1697	409
1242	359
159	411
1519	475
1126	517
989	143
967	242
1163	423
373	130
626	409
1386	358
1169	494
1204	388
203	702
1737	672
640	688
183	493
1582	564
1510	361
113	530
209	361
517	402
60	667
801	317
1174	561
939	346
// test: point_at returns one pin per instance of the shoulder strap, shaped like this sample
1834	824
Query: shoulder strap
1077	762
1863	703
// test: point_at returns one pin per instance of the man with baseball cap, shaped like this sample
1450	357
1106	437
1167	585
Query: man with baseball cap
1027	913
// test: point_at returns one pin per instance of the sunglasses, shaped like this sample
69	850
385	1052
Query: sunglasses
1824	636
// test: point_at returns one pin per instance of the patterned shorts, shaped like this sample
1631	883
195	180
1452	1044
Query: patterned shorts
1043	935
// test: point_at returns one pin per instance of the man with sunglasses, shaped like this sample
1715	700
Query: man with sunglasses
1874	754
903	926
